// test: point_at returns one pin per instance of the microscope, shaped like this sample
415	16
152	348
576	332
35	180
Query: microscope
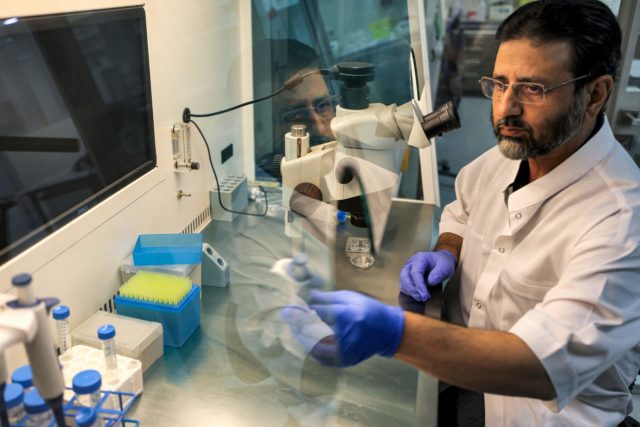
366	156
24	320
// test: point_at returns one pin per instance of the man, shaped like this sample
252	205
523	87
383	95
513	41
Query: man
310	103
543	238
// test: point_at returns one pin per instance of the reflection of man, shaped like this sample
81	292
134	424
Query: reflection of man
543	237
258	293
450	83
309	103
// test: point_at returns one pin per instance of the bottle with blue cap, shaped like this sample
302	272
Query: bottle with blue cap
24	377
88	417
298	270
13	400
86	386
38	412
61	315
106	334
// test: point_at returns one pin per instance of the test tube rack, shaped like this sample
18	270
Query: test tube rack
112	408
81	357
234	194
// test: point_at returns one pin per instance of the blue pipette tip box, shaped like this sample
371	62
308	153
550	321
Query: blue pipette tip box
163	249
178	321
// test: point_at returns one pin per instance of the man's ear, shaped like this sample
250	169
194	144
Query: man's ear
599	91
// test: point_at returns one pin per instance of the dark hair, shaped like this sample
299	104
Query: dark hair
588	25
286	57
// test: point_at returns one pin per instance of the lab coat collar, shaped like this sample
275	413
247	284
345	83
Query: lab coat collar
573	168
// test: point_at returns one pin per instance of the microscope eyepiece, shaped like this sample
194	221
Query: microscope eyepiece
355	74
354	92
440	121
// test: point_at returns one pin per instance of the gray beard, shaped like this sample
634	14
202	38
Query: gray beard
560	130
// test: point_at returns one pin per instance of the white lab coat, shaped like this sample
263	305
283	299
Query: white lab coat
558	264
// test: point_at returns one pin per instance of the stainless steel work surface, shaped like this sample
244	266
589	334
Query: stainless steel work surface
241	367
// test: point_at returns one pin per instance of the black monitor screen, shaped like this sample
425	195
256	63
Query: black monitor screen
76	123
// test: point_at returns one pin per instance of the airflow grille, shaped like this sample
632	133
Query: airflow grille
199	221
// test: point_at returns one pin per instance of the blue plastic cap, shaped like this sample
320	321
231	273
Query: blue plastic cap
106	331
300	258
87	381
61	312
34	404
23	376
13	395
86	417
341	216
21	279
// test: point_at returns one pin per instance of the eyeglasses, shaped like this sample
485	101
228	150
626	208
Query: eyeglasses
525	92
324	107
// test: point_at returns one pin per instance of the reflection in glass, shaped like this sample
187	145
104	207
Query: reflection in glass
634	71
76	122
315	113
272	335
319	36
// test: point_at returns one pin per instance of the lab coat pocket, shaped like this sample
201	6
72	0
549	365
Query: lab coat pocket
518	295
526	288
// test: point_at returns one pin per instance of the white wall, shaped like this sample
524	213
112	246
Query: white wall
199	57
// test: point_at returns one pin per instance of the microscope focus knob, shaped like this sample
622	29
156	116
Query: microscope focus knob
299	201
310	190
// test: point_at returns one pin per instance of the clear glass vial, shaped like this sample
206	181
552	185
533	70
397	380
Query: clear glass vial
38	412
61	315
14	402
24	377
88	417
86	385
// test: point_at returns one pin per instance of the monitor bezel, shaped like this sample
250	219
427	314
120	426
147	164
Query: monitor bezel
90	203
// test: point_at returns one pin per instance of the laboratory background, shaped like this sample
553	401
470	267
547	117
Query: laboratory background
213	145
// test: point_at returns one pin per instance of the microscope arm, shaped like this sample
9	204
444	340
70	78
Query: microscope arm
403	117
380	127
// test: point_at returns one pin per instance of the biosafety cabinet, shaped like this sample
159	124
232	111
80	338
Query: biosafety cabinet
96	149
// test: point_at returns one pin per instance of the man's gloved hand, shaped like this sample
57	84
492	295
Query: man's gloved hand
438	265
363	327
307	329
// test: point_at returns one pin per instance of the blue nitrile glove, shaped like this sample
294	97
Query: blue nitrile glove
306	327
363	327
439	265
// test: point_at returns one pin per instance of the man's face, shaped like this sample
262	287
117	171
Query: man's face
532	130
310	104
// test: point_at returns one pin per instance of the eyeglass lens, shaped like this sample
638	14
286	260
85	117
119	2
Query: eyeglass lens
322	106
530	93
